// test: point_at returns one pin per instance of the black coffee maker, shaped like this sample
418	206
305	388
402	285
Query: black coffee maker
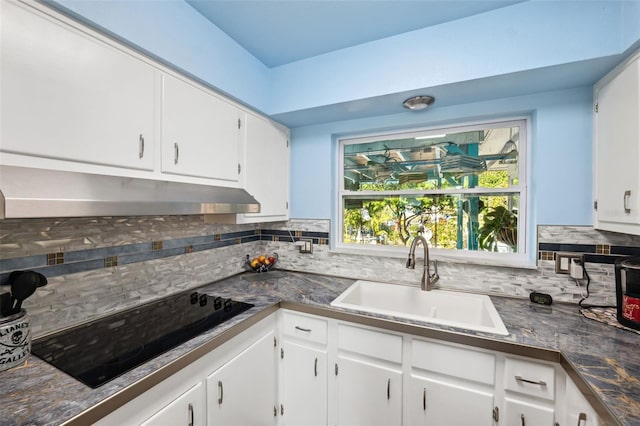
628	291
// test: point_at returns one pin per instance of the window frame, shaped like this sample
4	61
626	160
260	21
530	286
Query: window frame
519	259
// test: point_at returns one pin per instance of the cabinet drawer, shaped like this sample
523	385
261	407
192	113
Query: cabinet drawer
304	327
530	378
371	343
453	361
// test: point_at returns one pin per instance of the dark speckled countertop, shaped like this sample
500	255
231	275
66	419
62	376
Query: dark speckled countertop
607	358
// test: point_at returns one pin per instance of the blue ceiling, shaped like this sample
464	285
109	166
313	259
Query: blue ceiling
279	32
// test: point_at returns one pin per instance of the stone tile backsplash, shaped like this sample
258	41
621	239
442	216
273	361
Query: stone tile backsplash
96	266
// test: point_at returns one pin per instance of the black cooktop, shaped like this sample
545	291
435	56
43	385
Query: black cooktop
101	350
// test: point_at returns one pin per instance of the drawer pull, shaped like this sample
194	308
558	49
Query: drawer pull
221	391
522	419
176	153
315	368
306	330
388	388
533	382
582	417
190	414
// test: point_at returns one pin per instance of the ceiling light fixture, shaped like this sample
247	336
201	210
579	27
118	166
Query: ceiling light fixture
417	103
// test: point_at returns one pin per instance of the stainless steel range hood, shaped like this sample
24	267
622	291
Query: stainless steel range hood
34	193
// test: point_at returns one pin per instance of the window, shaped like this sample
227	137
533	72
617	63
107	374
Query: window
463	188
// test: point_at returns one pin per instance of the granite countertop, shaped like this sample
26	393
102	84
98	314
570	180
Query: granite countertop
605	357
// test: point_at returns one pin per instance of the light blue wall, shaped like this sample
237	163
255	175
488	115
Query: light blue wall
525	36
177	33
631	24
560	150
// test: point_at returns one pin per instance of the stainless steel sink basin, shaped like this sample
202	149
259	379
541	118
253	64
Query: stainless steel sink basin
462	310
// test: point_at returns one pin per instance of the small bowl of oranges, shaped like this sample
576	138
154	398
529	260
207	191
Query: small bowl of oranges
262	263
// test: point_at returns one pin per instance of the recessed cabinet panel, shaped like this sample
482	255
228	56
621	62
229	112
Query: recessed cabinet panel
454	361
368	394
71	96
434	402
243	391
371	343
304	376
578	411
617	150
188	409
526	413
200	135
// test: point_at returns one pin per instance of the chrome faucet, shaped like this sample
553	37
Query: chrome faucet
428	280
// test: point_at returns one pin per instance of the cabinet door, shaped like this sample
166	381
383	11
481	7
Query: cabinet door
186	410
437	403
617	151
68	95
200	135
304	377
243	391
267	169
578	411
368	394
526	413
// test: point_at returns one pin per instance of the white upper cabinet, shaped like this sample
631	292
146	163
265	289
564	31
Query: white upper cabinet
266	174
200	132
68	95
617	149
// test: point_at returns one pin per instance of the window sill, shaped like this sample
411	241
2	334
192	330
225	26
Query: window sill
468	258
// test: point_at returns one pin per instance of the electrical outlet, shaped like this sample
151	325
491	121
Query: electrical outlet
305	245
563	261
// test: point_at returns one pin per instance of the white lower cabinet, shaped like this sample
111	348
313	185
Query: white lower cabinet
304	385
434	402
246	368
526	413
243	391
368	377
303	370
578	411
449	385
187	409
530	392
297	369
368	393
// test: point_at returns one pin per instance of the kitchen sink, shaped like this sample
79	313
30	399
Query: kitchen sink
456	309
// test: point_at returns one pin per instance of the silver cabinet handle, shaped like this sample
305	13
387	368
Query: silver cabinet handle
539	382
424	399
141	146
388	388
190	414
522	419
306	330
176	153
221	391
627	195
315	368
582	417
